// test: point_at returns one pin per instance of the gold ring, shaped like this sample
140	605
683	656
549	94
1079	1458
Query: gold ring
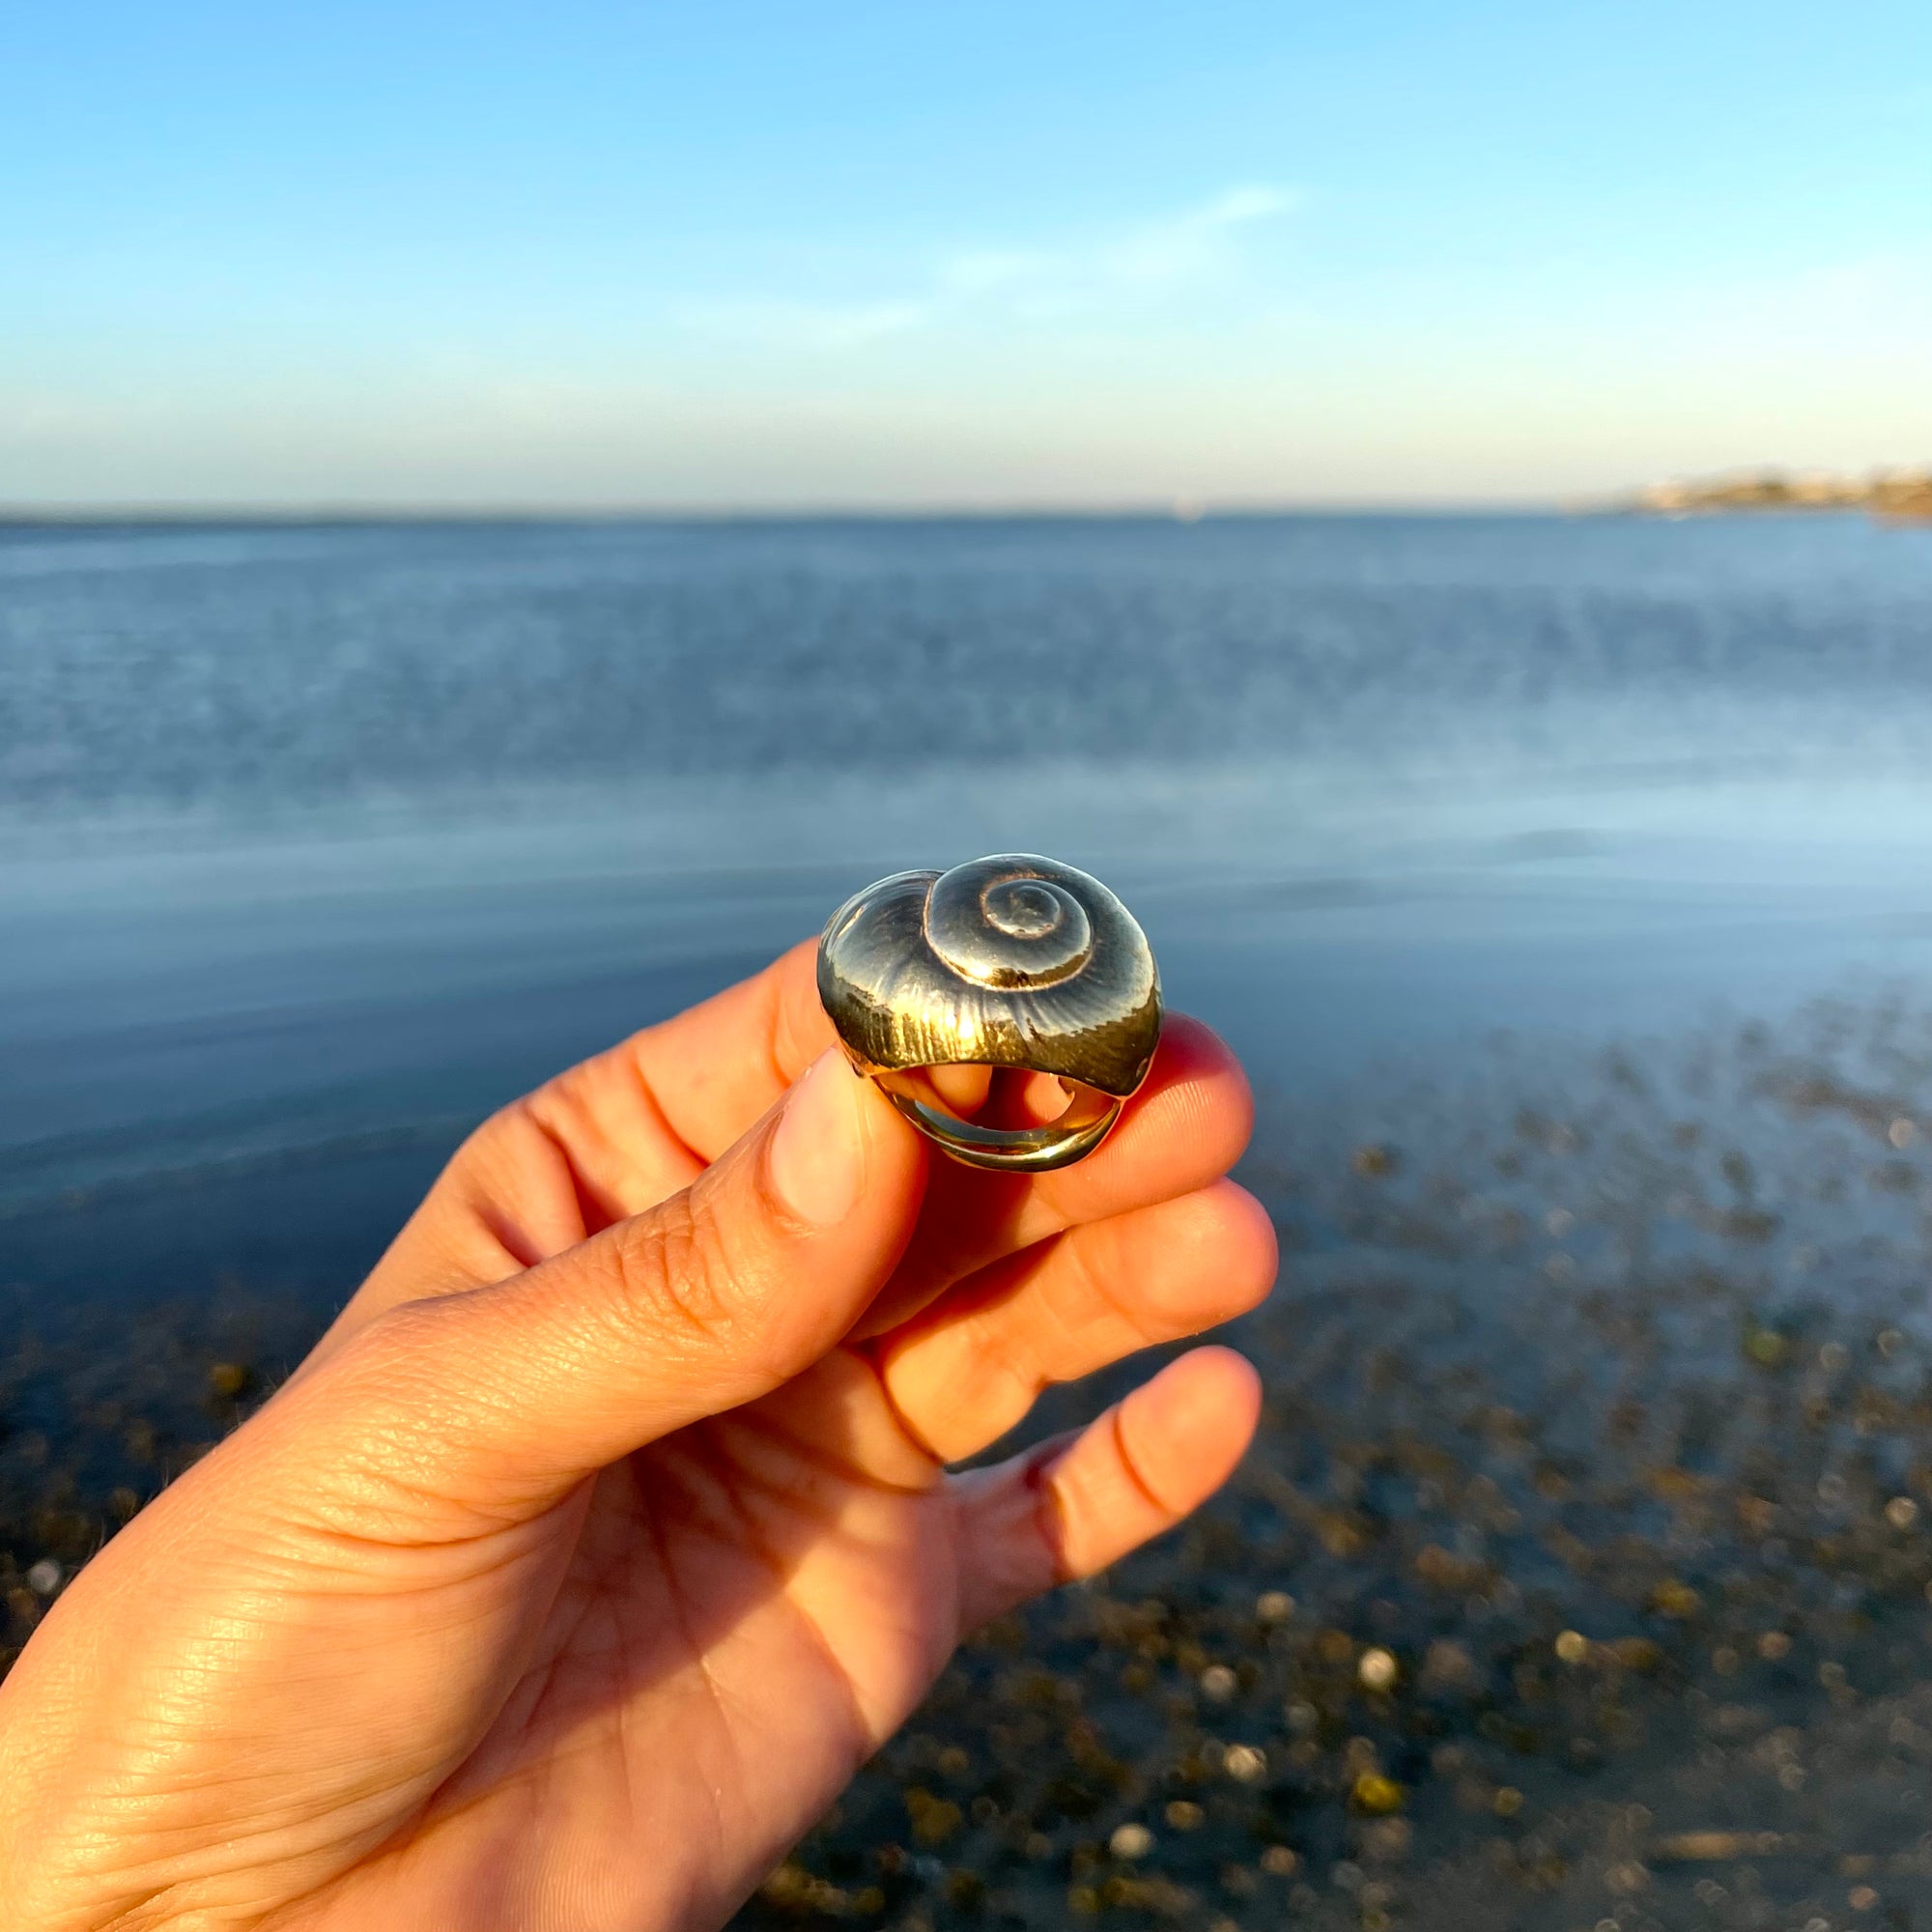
1010	962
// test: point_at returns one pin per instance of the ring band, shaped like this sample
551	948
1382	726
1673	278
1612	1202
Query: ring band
1057	1143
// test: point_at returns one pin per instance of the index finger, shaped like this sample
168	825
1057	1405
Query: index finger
605	1140
719	1065
637	1121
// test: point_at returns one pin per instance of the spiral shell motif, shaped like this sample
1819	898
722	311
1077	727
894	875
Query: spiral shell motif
1012	960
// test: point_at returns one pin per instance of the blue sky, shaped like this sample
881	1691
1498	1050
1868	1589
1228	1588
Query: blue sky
752	256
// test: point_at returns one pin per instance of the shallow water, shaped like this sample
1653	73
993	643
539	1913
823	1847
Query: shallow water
312	833
1564	884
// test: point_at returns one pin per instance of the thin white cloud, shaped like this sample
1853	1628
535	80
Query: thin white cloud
1191	246
1252	203
813	324
1159	260
986	272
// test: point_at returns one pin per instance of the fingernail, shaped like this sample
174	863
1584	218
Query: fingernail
818	1152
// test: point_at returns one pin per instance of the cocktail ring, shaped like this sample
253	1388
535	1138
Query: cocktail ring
1010	962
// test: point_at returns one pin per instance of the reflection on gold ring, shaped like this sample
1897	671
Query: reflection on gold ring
1008	962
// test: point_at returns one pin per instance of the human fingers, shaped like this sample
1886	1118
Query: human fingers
600	1142
641	1120
1186	1128
967	1369
499	1399
605	1140
1073	1507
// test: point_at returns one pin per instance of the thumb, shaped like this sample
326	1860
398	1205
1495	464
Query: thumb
504	1398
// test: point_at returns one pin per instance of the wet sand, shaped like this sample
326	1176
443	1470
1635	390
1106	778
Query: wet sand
1579	1575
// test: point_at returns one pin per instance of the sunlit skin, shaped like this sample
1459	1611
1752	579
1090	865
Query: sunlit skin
609	1528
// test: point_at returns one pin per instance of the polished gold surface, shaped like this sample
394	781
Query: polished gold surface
1010	962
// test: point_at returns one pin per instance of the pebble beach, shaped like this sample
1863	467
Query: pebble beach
1579	1577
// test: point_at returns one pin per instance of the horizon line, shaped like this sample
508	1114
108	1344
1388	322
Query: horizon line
1177	510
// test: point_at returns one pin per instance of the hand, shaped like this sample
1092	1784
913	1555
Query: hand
609	1529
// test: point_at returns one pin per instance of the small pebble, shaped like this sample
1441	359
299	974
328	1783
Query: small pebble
1219	1683
44	1577
1572	1646
1377	1670
1130	1841
1673	1598
1373	1792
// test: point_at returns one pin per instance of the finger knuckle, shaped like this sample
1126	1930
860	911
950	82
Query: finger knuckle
674	1277
376	1422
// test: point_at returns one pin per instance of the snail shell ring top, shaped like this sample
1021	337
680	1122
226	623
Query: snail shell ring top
1008	961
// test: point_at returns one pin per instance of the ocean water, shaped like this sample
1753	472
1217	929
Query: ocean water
1566	886
309	834
271	670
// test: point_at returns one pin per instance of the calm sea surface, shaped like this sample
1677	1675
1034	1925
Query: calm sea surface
309	834
1565	885
244	671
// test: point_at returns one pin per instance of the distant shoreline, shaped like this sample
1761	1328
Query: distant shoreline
1893	495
